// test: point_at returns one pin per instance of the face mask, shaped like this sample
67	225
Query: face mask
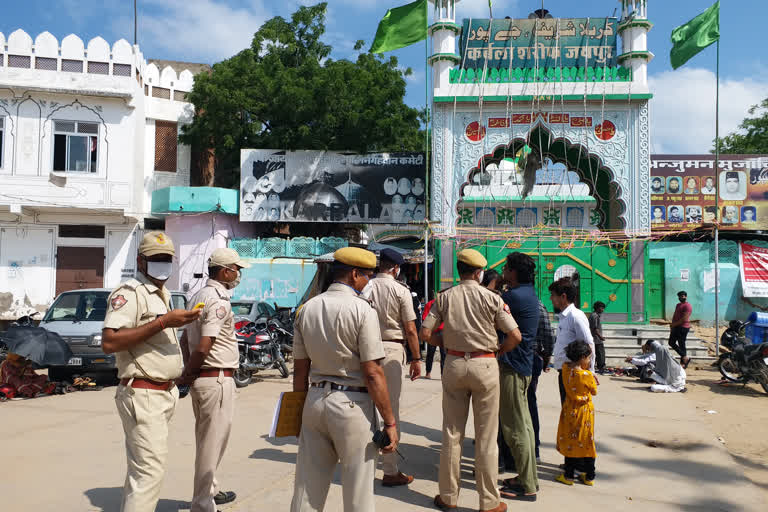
159	270
233	284
397	274
482	275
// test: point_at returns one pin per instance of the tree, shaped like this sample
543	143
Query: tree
285	92
752	136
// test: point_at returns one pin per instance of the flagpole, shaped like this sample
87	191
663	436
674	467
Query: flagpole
426	149
717	202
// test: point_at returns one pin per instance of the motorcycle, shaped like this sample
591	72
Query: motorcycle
259	350
745	362
284	337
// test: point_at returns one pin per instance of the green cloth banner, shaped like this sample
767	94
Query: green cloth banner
401	27
694	36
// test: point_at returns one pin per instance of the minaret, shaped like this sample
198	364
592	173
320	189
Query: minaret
444	32
633	29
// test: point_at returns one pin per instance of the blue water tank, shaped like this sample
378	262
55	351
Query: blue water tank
757	330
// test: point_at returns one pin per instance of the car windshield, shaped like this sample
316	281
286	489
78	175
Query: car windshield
78	307
242	308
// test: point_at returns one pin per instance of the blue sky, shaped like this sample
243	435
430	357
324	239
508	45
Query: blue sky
210	30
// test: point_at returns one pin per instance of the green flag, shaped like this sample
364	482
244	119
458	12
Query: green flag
694	36
401	27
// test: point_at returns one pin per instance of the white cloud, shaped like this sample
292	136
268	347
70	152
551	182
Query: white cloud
683	108
208	30
479	9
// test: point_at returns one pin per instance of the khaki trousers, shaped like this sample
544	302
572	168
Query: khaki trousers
517	427
145	414
213	402
336	427
392	365
476	380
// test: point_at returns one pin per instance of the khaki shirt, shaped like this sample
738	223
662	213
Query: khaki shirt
337	330
392	302
472	314
217	321
134	303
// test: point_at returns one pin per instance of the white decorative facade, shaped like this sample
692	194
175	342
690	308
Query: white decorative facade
478	121
78	160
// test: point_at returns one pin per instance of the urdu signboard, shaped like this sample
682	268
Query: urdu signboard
546	43
687	192
327	186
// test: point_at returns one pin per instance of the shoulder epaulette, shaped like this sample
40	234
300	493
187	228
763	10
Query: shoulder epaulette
369	301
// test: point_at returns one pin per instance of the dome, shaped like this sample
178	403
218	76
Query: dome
320	201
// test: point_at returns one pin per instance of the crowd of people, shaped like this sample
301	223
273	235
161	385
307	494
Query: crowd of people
352	345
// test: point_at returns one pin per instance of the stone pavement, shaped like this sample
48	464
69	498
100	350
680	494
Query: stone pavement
66	454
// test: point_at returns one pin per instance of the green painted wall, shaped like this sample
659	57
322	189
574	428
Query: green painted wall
604	269
194	200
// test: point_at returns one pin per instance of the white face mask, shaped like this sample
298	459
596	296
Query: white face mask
159	270
397	274
482	275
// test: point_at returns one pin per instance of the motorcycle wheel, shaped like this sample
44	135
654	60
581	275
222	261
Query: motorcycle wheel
764	383
283	369
728	368
242	377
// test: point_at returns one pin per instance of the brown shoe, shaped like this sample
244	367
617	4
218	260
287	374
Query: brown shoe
439	503
501	508
394	480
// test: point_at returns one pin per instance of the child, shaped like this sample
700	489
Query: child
576	430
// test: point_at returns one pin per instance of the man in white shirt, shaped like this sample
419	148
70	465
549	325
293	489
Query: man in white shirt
573	326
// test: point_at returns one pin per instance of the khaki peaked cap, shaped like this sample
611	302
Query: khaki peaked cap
156	242
355	257
223	257
472	258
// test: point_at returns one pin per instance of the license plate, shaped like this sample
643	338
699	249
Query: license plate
75	361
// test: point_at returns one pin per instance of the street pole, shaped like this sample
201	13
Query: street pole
135	24
717	202
426	263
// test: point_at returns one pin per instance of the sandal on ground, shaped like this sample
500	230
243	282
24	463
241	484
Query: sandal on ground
510	494
513	485
583	478
563	480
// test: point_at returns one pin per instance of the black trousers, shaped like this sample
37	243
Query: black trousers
431	349
585	465
560	386
600	356
677	337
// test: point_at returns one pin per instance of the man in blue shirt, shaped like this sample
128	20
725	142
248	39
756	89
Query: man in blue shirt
516	369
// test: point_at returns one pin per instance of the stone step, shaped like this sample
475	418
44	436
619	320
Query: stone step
701	360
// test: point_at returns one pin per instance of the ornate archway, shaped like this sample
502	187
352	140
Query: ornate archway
616	167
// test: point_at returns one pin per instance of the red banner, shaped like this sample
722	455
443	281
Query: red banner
754	270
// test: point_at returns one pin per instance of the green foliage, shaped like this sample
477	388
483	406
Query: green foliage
285	92
752	135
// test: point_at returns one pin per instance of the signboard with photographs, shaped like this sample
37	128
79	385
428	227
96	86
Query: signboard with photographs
684	194
326	186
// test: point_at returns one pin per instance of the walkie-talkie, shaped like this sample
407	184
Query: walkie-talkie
381	440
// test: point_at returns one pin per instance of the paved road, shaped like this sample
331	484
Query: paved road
65	453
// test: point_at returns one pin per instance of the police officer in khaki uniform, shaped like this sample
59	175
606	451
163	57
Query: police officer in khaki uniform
393	303
211	358
338	353
140	329
471	316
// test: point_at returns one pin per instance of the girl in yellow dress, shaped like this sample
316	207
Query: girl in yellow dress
576	430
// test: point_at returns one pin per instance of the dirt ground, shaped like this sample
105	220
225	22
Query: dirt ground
739	419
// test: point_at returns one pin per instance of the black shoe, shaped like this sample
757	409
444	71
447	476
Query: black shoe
224	497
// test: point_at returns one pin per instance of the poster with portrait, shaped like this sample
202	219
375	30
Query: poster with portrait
327	186
687	192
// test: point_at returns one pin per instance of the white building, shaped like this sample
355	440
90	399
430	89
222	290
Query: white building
87	132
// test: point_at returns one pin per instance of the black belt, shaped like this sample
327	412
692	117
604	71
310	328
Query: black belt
339	387
399	342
